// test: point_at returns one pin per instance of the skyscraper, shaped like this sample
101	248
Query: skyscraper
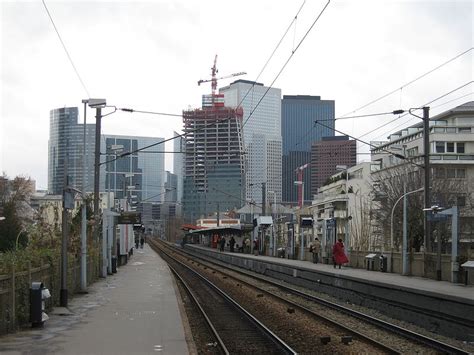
178	161
65	145
261	134
327	154
213	163
143	171
299	131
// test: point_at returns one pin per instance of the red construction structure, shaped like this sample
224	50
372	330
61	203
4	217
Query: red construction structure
299	175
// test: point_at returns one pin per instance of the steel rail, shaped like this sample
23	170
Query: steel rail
285	348
425	340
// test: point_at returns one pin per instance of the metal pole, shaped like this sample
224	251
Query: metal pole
274	216
84	209
405	232
253	227
96	185
426	152
63	290
264	199
346	242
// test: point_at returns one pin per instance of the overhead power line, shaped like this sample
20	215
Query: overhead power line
426	104
287	61
212	124
67	52
410	82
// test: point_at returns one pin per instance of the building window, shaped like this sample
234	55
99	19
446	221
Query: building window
464	129
440	147
460	147
450	147
451	173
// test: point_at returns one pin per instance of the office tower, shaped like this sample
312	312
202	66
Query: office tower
65	145
213	163
139	174
327	154
178	161
261	134
299	131
171	187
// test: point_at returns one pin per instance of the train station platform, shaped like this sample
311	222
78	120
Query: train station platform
135	311
413	299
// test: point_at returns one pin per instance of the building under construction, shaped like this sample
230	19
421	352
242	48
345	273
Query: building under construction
214	160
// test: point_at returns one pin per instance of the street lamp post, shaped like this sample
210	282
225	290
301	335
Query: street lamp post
273	223
301	183
84	207
405	239
98	104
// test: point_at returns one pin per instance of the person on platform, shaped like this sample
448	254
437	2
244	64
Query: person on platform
247	245
222	243
231	244
315	249
338	255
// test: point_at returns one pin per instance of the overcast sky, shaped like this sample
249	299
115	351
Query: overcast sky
149	55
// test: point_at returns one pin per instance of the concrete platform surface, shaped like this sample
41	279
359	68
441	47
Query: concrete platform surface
135	311
445	289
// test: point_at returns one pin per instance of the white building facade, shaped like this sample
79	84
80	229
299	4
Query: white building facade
261	135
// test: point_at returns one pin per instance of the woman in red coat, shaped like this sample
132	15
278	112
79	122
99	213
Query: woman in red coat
338	255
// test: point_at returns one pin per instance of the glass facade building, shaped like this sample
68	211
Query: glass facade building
299	132
65	146
139	174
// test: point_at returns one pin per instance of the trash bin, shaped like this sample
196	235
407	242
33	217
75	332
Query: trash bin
281	252
38	295
369	259
383	263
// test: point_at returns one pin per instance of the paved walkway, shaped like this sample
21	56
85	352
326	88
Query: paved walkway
416	284
135	311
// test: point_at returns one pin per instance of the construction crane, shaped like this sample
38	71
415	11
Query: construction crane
214	79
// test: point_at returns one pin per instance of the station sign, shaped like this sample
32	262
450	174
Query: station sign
130	217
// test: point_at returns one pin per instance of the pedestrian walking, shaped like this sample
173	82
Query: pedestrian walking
222	243
338	255
137	240
142	241
315	249
231	244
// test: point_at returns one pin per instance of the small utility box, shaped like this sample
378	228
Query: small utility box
370	260
467	267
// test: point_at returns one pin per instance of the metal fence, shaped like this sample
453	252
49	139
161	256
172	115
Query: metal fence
15	289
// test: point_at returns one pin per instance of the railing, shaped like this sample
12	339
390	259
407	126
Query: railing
15	290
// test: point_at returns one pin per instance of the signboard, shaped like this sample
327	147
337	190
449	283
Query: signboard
130	218
435	217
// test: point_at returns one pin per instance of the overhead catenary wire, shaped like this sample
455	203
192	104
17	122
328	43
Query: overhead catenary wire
212	124
428	103
371	145
65	49
287	61
410	82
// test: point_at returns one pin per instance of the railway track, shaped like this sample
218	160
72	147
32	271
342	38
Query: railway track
413	340
235	330
292	323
